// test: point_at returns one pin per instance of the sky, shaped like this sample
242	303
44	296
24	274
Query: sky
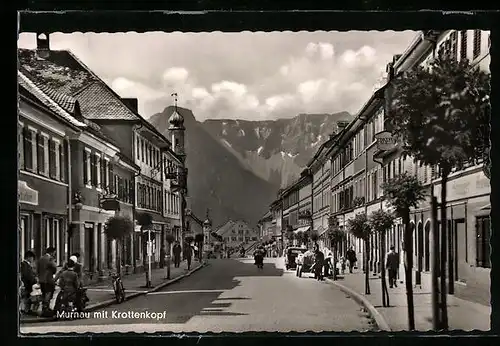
245	75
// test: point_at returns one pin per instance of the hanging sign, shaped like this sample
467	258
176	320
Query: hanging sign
385	140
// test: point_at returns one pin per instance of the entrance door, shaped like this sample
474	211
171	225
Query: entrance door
460	250
37	232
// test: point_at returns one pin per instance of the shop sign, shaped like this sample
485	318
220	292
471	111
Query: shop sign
385	141
27	195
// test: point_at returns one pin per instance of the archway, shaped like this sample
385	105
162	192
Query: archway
420	246
427	241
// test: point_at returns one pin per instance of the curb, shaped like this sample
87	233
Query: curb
109	302
361	300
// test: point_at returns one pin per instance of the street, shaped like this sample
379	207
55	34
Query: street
228	295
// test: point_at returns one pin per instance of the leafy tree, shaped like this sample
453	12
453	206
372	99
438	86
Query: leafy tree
145	220
359	228
117	228
403	193
441	113
300	237
380	222
336	236
314	236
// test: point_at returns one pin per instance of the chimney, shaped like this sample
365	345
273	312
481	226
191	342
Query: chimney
42	45
132	103
341	125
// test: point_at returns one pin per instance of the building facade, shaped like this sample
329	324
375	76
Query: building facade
96	148
236	233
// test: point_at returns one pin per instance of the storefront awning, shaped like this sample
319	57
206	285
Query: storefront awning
302	229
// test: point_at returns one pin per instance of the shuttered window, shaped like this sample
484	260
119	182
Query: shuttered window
52	160
477	44
28	148
40	140
111	179
62	162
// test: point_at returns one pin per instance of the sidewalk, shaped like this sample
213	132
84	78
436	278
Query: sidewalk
101	294
462	314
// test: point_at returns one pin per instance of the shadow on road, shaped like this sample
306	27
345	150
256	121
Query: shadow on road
221	276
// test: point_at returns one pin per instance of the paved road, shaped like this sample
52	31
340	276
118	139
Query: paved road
229	295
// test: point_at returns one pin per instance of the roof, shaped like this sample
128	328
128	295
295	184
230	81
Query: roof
322	147
98	102
45	99
63	72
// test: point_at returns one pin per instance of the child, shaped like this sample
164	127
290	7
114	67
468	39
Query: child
342	265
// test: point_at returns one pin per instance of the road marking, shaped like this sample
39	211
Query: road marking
190	291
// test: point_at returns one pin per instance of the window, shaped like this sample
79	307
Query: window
454	45
29	147
20	146
463	45
93	169
477	44
142	150
87	169
41	140
110	178
138	149
98	172
62	162
103	164
483	242
55	159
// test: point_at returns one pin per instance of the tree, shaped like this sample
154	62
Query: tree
145	220
336	236
300	237
403	193
381	221
169	238
289	234
441	113
117	228
359	228
314	236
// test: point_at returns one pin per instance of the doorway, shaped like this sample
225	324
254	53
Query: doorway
427	241
420	246
460	249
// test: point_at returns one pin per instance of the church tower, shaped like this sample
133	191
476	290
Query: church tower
177	130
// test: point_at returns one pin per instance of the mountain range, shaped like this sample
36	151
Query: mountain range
236	167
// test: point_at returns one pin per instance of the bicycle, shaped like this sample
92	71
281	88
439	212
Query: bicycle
118	288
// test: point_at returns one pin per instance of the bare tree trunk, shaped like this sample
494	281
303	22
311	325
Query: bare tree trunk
444	248
385	292
408	270
436	319
367	265
118	257
334	261
144	250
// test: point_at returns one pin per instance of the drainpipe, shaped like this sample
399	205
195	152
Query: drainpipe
70	199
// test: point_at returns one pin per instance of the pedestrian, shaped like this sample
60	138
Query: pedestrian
342	264
188	254
319	258
70	285
77	267
177	254
351	257
28	278
46	269
392	265
162	257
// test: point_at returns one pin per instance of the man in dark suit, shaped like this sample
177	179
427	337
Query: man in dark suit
188	254
28	279
46	269
392	265
177	249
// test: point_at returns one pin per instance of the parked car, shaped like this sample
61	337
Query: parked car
290	254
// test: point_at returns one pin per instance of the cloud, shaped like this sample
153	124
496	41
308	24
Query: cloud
239	75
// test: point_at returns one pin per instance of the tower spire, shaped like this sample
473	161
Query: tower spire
175	100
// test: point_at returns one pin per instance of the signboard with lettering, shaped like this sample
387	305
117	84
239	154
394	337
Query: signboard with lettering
385	140
27	194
